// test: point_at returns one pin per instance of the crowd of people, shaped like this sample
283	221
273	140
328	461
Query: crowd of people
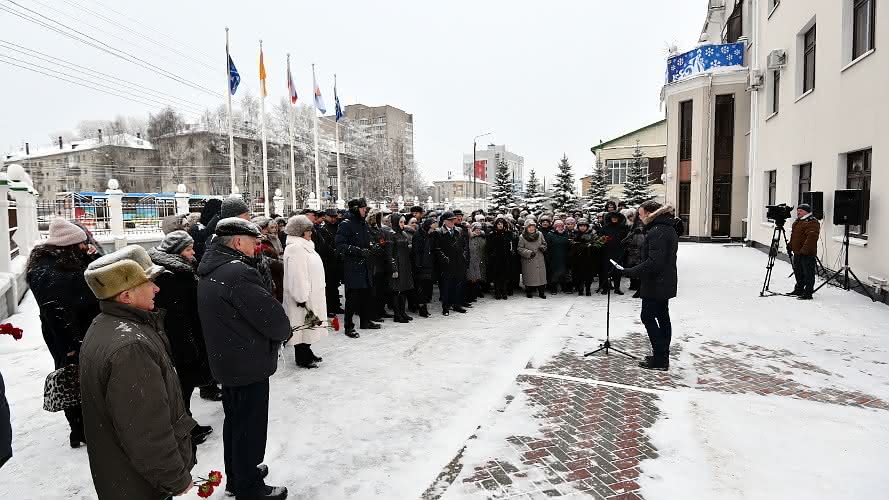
211	306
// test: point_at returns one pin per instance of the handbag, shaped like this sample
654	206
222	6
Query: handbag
62	389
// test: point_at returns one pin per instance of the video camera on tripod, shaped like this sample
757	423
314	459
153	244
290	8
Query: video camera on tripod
779	213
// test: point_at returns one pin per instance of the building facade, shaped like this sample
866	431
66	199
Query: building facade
491	157
616	155
451	189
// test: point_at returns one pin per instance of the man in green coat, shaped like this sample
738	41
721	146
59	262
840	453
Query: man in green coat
135	421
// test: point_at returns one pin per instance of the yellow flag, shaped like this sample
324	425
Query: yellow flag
262	91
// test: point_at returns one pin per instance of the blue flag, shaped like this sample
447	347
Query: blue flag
338	109
234	78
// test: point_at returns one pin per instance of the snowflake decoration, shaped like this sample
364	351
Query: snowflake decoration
724	50
672	67
715	63
737	52
709	51
682	61
729	57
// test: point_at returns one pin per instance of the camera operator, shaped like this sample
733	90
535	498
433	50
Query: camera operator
803	250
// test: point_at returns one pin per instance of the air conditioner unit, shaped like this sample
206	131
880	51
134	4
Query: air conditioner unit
777	59
754	80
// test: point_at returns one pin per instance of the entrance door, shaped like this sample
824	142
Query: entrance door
723	165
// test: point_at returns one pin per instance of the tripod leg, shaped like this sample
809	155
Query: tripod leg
862	285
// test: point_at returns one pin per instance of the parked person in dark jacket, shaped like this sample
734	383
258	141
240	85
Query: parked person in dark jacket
584	258
557	246
67	306
134	415
424	264
659	280
333	266
401	280
451	264
244	326
500	251
178	296
353	244
614	231
803	251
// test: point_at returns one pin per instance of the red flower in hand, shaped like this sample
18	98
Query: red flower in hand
8	329
335	323
215	478
607	239
383	241
205	490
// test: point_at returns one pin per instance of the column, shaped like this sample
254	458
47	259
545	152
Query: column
4	223
279	202
182	197
115	214
27	225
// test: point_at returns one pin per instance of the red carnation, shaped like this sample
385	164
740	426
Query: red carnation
215	478
335	323
607	239
205	490
8	329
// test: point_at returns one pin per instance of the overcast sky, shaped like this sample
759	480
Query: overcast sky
545	77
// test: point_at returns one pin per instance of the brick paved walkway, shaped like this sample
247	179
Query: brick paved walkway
593	415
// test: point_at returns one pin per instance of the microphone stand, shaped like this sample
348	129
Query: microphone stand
606	346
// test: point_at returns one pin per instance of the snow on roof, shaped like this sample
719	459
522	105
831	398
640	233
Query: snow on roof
119	140
461	179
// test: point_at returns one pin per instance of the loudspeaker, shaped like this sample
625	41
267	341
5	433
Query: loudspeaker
815	199
847	207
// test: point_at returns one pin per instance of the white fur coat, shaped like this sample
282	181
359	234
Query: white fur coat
304	282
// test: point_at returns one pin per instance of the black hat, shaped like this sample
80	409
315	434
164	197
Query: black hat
330	212
458	212
236	226
356	203
416	208
447	216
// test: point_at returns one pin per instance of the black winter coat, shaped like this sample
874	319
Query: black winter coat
449	256
424	259
557	246
67	305
243	323
659	278
632	245
352	243
616	232
333	268
5	427
179	297
584	256
501	253
399	256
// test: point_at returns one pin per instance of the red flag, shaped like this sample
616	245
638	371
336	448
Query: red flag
481	171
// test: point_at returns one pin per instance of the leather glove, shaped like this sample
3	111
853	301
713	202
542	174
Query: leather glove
301	304
395	275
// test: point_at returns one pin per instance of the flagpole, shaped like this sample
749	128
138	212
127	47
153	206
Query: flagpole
336	126
265	147
317	159
231	136
290	132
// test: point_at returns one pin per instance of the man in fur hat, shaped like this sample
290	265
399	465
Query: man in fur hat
135	420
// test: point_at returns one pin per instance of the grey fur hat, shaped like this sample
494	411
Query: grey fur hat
175	242
261	221
233	207
298	225
236	226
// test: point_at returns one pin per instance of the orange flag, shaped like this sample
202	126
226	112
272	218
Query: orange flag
262	90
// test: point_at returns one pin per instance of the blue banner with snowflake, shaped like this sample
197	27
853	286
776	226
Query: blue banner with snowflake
703	59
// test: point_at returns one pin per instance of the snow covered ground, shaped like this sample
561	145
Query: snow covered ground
387	412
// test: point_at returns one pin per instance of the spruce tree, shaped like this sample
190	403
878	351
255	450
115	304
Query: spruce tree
564	198
636	187
598	192
534	198
502	195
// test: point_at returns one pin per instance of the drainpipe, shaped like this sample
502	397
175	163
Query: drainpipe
753	147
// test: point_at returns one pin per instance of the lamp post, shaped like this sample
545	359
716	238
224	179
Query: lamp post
474	145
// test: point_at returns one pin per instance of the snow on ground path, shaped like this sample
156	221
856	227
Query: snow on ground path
766	398
379	419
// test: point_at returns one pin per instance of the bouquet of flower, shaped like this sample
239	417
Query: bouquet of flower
206	486
8	329
312	321
600	241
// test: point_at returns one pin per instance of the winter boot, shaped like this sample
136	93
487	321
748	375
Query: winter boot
302	354
528	292
424	311
541	292
805	296
266	493
315	358
580	292
351	333
653	364
199	433
589	291
636	295
618	292
211	392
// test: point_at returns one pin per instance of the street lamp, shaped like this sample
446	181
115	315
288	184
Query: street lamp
474	144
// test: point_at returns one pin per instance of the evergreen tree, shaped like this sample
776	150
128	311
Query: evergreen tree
502	195
564	199
598	192
534	198
636	187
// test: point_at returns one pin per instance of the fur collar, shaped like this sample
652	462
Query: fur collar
666	209
170	262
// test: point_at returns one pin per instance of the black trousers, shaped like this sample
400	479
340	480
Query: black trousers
449	291
381	295
656	318
358	302
424	291
332	293
804	270
244	435
187	391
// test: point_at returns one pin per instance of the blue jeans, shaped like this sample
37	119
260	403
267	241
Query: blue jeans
656	318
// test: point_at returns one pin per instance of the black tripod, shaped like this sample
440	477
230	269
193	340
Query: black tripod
606	346
846	270
777	235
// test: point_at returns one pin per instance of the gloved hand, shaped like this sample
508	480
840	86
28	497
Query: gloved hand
365	252
301	304
533	254
395	275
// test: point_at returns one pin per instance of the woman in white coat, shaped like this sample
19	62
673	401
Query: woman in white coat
304	289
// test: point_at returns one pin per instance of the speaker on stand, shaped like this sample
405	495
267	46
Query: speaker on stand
847	211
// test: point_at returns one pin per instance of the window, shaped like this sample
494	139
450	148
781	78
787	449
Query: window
809	60
776	90
772	178
863	16
617	169
734	27
804	182
685	130
858	168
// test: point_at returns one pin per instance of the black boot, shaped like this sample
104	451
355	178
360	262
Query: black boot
266	493
424	311
580	292
211	392
541	292
528	292
618	292
199	433
589	291
303	357
317	359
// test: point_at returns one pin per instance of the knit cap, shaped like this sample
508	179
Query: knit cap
175	242
233	207
63	233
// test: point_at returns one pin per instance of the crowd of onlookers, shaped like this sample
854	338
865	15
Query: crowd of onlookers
211	306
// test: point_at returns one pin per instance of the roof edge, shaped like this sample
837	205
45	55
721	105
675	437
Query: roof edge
603	144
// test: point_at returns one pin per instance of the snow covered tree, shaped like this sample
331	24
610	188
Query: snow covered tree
564	199
598	192
636	187
502	195
534	198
